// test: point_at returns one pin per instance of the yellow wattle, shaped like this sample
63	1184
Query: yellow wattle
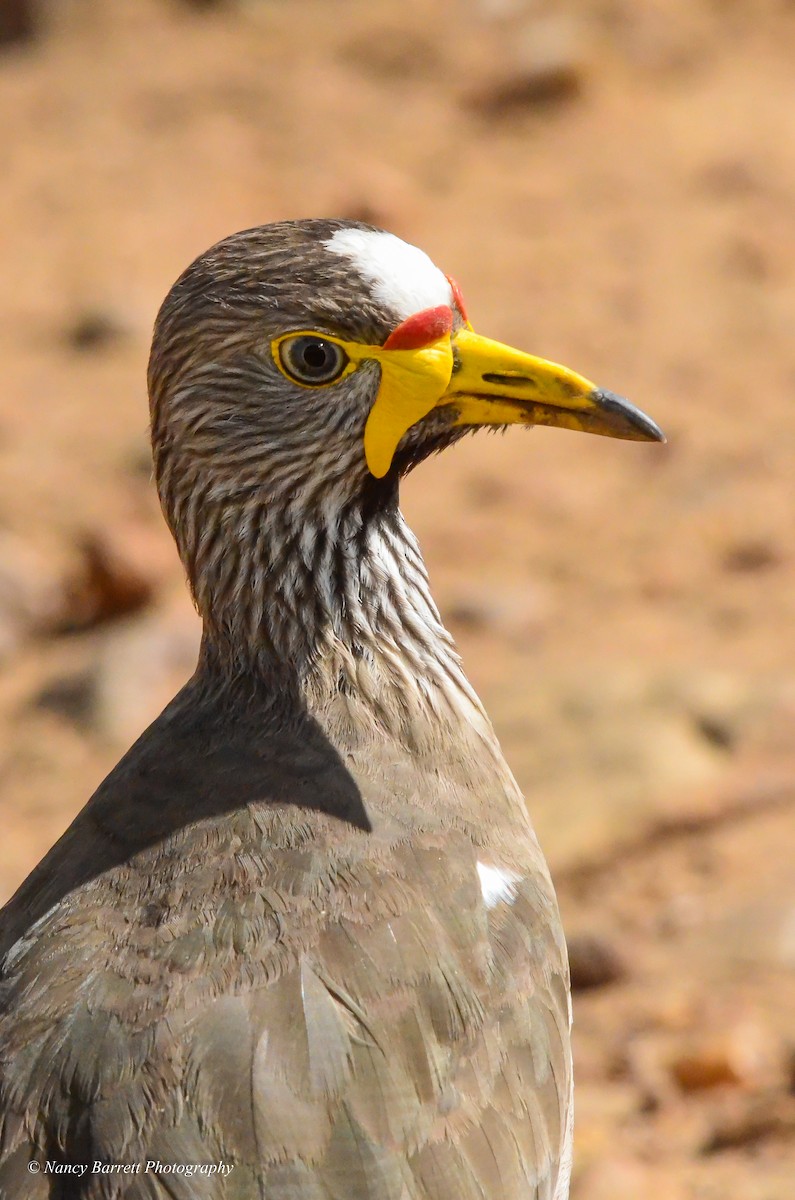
412	383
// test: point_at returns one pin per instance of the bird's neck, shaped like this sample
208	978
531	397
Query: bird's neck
332	608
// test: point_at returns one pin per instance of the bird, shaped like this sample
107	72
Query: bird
302	942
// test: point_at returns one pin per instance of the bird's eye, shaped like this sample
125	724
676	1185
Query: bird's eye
312	360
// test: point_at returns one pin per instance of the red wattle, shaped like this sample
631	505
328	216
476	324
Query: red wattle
458	298
420	329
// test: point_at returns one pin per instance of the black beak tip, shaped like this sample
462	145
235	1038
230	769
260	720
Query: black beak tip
636	425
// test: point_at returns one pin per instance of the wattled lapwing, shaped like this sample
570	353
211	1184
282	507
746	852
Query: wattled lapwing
302	943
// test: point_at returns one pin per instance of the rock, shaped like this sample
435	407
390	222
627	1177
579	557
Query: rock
705	1067
545	65
117	573
94	329
721	707
763	1118
735	1058
19	21
70	696
716	730
751	555
594	962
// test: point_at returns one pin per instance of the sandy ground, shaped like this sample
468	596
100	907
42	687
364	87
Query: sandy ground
612	182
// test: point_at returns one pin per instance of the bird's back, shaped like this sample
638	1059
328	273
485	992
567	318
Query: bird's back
275	973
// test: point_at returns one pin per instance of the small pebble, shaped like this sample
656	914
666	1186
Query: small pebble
735	1058
594	962
111	578
545	66
93	330
19	21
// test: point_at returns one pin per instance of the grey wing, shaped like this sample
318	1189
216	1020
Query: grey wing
405	1051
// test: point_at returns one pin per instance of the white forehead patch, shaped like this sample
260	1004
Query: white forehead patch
401	276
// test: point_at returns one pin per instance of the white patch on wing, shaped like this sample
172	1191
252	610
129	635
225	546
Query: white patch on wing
400	276
497	884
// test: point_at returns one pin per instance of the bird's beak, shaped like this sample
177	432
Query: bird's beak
493	384
482	382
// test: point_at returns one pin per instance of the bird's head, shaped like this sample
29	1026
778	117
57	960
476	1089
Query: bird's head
320	349
300	368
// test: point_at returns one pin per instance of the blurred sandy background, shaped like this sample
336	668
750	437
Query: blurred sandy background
613	184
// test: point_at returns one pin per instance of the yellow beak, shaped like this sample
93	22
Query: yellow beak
492	384
483	382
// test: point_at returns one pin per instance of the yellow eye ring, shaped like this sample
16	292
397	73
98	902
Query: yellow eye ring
311	359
